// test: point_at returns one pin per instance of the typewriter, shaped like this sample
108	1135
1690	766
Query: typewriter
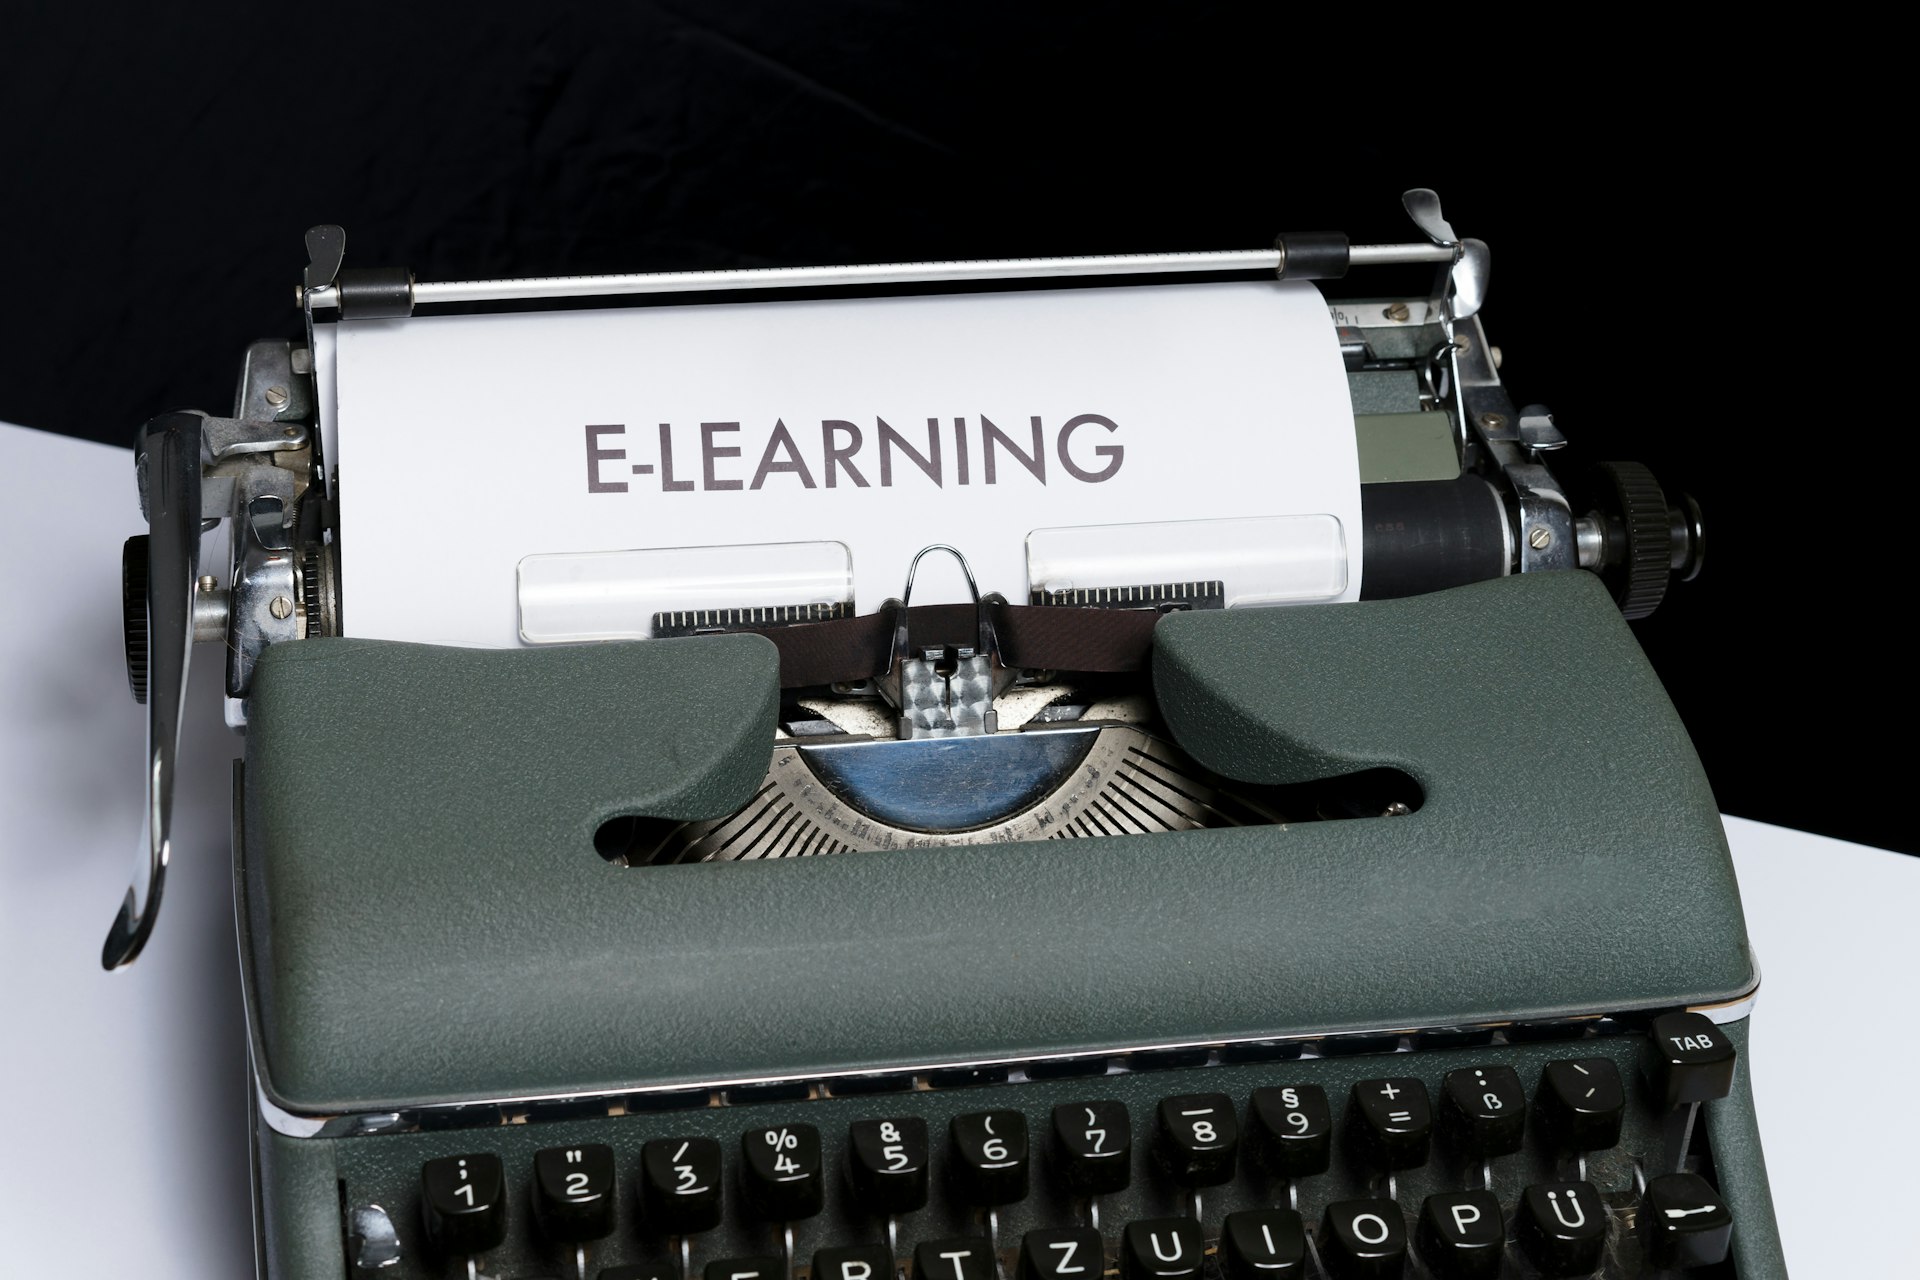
1120	927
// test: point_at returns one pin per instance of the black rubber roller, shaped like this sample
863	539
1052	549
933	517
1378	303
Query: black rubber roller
133	612
1639	539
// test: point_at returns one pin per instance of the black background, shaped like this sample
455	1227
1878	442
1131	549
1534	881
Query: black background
1666	219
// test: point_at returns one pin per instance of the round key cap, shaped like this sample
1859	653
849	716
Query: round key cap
859	1262
1162	1249
1684	1222
1199	1138
780	1171
1563	1227
1462	1234
1292	1130
1485	1111
463	1201
1263	1244
1363	1240
962	1258
1062	1253
573	1192
990	1165
1688	1059
887	1162
680	1185
1582	1103
1092	1147
1392	1123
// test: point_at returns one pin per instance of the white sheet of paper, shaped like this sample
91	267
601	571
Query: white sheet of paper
464	443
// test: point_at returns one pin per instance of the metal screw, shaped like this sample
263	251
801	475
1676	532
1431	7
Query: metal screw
1491	421
208	585
1397	809
291	432
1397	312
1494	352
276	396
281	607
1539	537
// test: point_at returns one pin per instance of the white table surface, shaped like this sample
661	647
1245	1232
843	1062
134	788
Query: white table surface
125	1139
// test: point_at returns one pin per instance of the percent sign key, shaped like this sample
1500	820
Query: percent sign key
783	1182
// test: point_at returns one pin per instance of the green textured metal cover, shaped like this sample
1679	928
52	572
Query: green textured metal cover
1397	447
427	918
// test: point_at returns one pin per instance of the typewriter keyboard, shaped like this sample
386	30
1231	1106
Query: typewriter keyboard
1472	1155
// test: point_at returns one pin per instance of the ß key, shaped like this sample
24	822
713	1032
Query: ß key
1292	1130
463	1200
1684	1222
1582	1103
990	1165
1394	1123
1199	1138
1485	1110
780	1171
1688	1059
1092	1147
888	1163
680	1185
573	1192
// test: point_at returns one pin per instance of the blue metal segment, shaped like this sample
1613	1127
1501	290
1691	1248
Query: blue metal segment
949	784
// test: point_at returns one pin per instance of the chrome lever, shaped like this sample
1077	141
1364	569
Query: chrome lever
169	464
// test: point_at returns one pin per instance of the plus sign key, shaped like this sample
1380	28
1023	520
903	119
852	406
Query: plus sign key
1394	1128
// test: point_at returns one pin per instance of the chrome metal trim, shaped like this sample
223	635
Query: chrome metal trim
533	289
517	1108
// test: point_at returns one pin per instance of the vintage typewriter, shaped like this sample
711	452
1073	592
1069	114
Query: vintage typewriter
785	942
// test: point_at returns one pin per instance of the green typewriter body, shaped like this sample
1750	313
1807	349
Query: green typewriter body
1388	938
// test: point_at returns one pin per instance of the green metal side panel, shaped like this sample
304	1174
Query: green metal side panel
300	1208
1733	1128
429	920
1398	447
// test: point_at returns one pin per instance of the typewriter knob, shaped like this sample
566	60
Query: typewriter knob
133	612
1640	537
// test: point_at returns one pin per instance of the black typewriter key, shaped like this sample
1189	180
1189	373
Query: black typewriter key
573	1192
1688	1059
1062	1253
1092	1147
961	1258
1292	1130
1263	1244
990	1165
680	1186
759	1267
641	1271
780	1169
1684	1222
888	1163
1363	1240
1582	1102
1162	1249
1392	1123
862	1262
1563	1227
1484	1110
1199	1138
463	1199
1462	1235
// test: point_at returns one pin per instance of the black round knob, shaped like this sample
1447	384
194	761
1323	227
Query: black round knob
1638	566
133	612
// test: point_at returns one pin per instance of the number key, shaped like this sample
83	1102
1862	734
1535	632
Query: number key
1293	1130
781	1171
573	1192
990	1165
463	1199
1199	1138
889	1161
680	1185
1093	1147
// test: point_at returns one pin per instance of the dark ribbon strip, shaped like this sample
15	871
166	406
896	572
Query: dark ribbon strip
1038	637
